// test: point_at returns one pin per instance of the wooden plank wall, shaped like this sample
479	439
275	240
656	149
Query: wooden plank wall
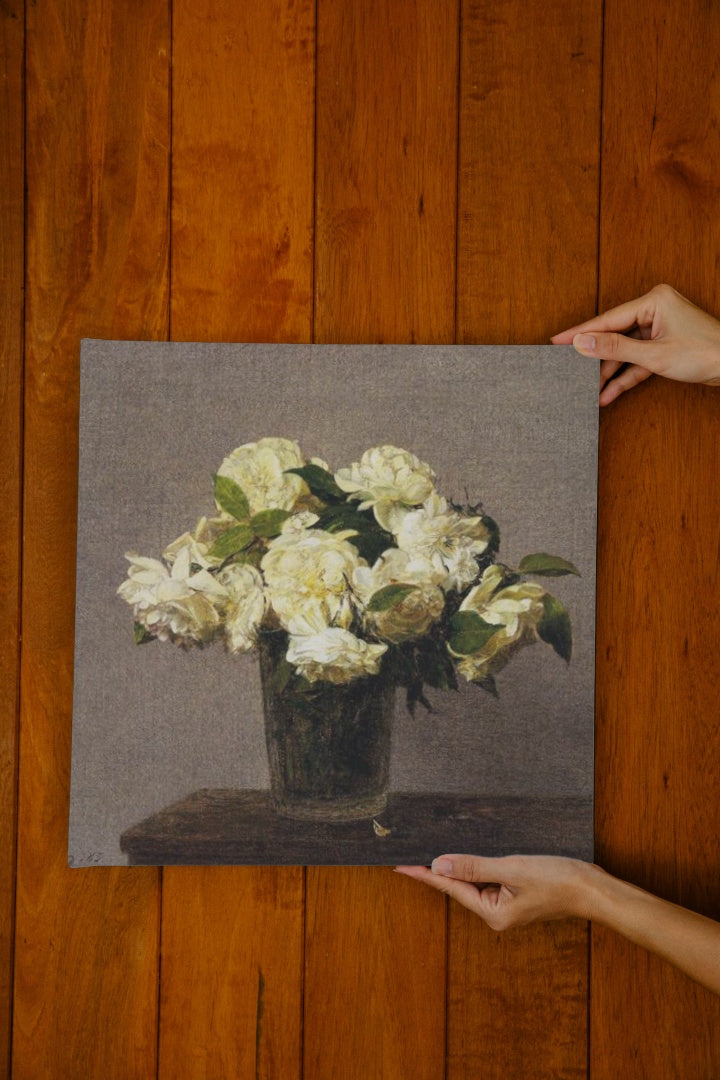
391	170
12	272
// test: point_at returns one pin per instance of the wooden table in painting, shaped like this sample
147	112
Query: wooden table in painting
241	827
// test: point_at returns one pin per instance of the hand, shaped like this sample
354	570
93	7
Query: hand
511	891
660	333
521	889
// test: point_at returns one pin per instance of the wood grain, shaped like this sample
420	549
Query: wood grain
388	164
386	171
12	223
97	231
375	976
231	972
243	144
243	107
385	260
527	243
529	157
658	755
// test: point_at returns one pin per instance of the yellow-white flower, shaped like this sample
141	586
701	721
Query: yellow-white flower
412	615
307	574
516	610
176	604
196	549
244	606
384	478
259	469
329	653
450	540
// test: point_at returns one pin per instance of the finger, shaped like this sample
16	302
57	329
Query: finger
628	378
473	868
621	349
608	368
462	891
422	873
622	317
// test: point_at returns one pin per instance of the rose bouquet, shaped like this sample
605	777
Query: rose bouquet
362	572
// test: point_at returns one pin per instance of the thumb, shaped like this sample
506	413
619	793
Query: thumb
619	348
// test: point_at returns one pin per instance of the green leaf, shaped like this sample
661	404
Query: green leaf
268	523
320	481
436	665
370	540
413	695
469	633
488	684
343	516
141	634
371	544
232	541
547	565
282	675
494	530
555	628
231	498
389	596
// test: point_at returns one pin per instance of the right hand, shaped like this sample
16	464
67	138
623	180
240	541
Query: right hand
660	333
513	890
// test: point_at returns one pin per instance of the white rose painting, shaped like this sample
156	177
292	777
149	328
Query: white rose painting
340	615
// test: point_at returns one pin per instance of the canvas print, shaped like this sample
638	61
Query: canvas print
302	636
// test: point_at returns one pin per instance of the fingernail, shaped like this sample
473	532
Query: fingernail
584	341
442	866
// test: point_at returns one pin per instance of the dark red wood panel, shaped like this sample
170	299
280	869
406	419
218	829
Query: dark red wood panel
386	171
385	267
97	233
242	232
527	256
658	753
12	19
529	157
442	180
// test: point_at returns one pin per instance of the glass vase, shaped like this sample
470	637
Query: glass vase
328	745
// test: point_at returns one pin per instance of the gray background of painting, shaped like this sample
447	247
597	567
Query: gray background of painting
513	427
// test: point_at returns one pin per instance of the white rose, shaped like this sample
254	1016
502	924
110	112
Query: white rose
384	477
415	613
197	550
308	572
516	610
244	606
258	468
449	539
173	605
331	654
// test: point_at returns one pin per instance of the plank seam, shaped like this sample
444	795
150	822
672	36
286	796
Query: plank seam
446	1064
303	969
313	284
598	293
171	17
598	270
171	44
457	170
158	1005
21	533
458	130
313	338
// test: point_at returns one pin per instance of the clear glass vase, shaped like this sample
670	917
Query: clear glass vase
328	748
